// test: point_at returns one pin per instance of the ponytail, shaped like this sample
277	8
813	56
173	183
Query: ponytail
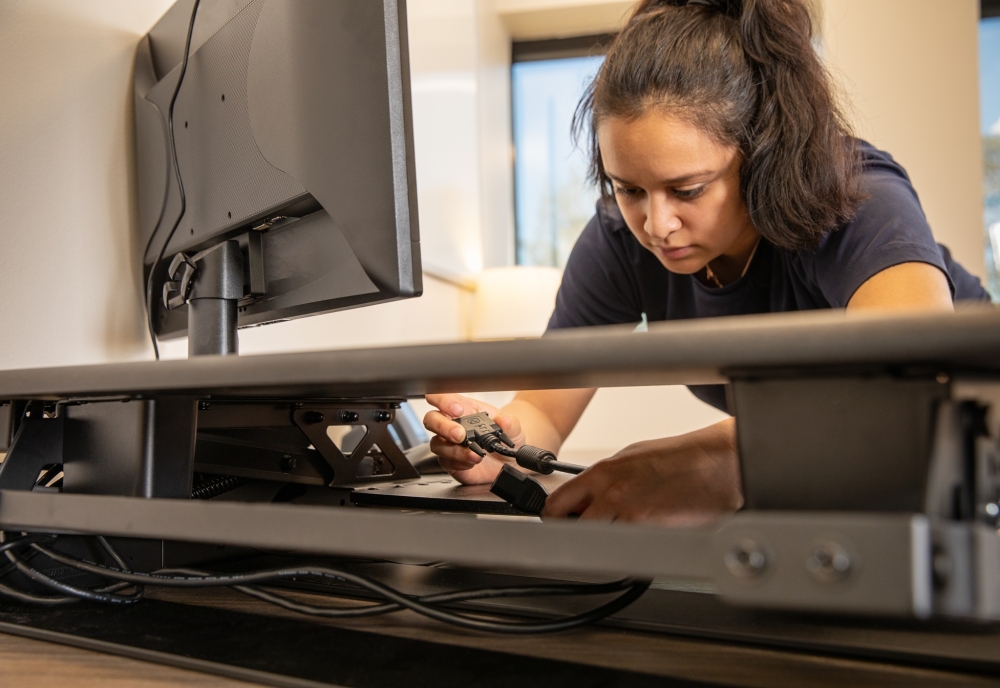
746	73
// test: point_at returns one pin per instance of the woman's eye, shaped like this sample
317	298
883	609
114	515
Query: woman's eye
689	194
626	192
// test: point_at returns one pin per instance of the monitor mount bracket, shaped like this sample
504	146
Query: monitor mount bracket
210	283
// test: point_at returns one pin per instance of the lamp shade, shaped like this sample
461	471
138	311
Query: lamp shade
513	302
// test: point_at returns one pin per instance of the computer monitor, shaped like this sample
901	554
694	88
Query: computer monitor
293	136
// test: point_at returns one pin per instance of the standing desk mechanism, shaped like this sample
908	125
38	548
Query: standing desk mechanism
868	444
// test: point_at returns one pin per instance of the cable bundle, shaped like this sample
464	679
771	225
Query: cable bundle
431	606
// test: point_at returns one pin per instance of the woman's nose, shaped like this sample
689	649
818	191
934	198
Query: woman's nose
661	220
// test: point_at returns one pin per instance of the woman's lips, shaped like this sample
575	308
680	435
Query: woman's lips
675	253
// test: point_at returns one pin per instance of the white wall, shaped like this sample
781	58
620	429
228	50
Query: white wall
66	196
529	20
910	69
70	293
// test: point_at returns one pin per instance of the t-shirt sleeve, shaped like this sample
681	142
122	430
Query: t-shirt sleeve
599	286
889	229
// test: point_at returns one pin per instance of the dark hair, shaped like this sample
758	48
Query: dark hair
745	72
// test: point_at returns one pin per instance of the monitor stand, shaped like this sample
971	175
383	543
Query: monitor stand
210	284
154	446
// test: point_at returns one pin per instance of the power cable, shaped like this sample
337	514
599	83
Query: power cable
428	606
180	184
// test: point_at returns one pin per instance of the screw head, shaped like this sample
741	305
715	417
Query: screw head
349	417
747	559
312	417
828	562
288	463
383	416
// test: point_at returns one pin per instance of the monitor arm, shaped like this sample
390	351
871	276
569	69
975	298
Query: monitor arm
210	283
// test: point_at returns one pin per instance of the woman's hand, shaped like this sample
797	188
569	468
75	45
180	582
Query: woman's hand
679	481
462	463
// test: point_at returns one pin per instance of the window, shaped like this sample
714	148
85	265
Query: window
553	200
989	88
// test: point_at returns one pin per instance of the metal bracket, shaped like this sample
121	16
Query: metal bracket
376	457
290	441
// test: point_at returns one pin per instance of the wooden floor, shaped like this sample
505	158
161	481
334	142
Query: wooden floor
38	664
711	662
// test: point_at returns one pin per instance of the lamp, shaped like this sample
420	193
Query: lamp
514	302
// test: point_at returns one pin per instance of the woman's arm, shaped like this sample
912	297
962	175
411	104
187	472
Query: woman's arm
695	477
909	286
539	418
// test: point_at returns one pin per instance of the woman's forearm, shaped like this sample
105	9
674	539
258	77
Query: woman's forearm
547	417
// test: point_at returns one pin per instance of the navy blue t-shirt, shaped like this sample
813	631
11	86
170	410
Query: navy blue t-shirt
611	279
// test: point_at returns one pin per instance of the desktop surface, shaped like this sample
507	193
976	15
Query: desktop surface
704	351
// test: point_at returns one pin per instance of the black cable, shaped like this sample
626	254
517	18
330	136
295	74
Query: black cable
542	590
71	590
180	185
439	598
24	541
532	458
632	593
44	600
108	595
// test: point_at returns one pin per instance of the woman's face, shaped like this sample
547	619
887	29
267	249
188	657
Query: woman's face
678	190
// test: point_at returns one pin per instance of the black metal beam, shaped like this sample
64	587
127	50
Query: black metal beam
558	546
703	351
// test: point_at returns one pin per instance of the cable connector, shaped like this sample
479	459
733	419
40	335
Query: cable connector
483	436
543	461
522	491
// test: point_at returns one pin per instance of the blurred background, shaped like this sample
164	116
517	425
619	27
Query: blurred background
502	188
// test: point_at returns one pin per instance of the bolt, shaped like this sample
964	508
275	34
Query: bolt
349	416
989	513
288	463
828	563
746	559
312	417
941	568
383	416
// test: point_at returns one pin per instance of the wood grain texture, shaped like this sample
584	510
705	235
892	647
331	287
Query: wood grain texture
39	664
712	662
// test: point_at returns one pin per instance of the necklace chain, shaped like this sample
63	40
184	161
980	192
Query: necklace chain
711	276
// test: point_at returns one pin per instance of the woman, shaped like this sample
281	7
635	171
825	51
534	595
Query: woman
731	185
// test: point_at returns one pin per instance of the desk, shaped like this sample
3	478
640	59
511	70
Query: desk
406	650
40	664
228	629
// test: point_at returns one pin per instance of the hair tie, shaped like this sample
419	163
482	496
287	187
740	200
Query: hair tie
730	8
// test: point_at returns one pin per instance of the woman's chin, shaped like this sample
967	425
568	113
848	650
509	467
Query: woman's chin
685	266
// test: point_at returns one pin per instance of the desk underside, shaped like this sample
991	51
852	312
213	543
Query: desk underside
703	351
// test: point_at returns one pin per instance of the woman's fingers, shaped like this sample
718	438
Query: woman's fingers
572	497
483	472
511	426
461	457
444	427
455	405
461	462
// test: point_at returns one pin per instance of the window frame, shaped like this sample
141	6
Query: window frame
590	45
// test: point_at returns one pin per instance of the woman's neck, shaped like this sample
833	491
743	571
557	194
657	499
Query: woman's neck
732	264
